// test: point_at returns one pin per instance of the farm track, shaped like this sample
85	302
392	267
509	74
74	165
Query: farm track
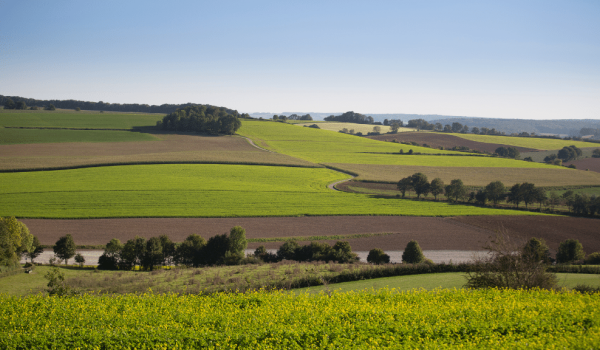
458	233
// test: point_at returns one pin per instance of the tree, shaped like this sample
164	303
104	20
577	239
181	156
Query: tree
36	249
495	192
404	185
215	249
581	204
447	128
153	254
64	248
78	109
569	250
436	187
568	197
190	251
377	256
554	200
79	259
515	195
287	251
237	244
50	107
513	152
456	190
438	127
596	153
15	239
412	253
395	126
456	127
539	196
475	130
377	129
9	104
420	184
528	193
20	105
110	259
537	250
481	197
465	129
569	153
133	252
509	264
168	250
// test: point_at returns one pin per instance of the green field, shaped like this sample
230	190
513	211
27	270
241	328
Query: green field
64	118
383	319
432	281
200	191
528	142
322	146
24	136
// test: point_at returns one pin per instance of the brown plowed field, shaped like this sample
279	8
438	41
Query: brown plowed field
554	229
589	163
447	141
172	148
462	233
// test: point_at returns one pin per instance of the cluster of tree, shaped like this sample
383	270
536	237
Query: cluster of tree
566	154
206	119
104	106
299	117
412	254
350	117
393	121
15	240
418	183
510	152
578	203
161	251
10	104
340	252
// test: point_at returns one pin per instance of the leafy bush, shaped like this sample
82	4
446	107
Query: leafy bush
593	259
412	253
377	256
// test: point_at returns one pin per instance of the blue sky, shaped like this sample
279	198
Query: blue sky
502	59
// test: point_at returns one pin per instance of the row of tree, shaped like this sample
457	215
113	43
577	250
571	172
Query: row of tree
419	183
299	117
350	117
205	119
456	127
103	106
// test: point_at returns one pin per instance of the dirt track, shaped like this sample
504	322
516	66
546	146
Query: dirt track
446	141
462	233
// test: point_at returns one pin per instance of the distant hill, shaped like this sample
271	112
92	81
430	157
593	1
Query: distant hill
105	106
563	127
376	117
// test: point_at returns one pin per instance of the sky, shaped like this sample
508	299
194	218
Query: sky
494	59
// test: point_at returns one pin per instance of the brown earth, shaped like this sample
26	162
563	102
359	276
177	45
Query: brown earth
447	141
553	229
588	163
171	148
461	233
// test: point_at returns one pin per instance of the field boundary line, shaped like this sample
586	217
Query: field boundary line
255	145
316	166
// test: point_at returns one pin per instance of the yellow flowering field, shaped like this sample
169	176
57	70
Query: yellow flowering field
382	319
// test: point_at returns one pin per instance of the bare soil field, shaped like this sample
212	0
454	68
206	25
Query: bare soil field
172	148
554	229
593	164
447	141
475	176
432	233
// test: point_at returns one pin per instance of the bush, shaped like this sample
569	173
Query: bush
509	265
377	256
50	107
106	262
569	251
412	253
593	259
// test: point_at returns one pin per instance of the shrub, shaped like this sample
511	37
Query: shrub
537	249
79	259
377	256
412	253
593	259
569	251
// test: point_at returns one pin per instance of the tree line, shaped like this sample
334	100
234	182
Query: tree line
350	117
103	106
205	119
496	192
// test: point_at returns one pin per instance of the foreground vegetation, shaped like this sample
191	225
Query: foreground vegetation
376	319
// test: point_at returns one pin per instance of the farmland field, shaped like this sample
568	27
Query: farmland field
528	142
379	319
167	148
10	136
198	191
475	175
363	128
64	118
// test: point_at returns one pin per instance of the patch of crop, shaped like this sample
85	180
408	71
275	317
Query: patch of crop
200	191
23	136
529	142
382	319
73	119
475	175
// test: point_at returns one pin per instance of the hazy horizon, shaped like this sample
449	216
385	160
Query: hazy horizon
510	59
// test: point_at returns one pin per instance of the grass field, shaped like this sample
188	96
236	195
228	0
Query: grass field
199	191
363	128
383	319
65	118
529	142
475	175
10	136
322	146
432	281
